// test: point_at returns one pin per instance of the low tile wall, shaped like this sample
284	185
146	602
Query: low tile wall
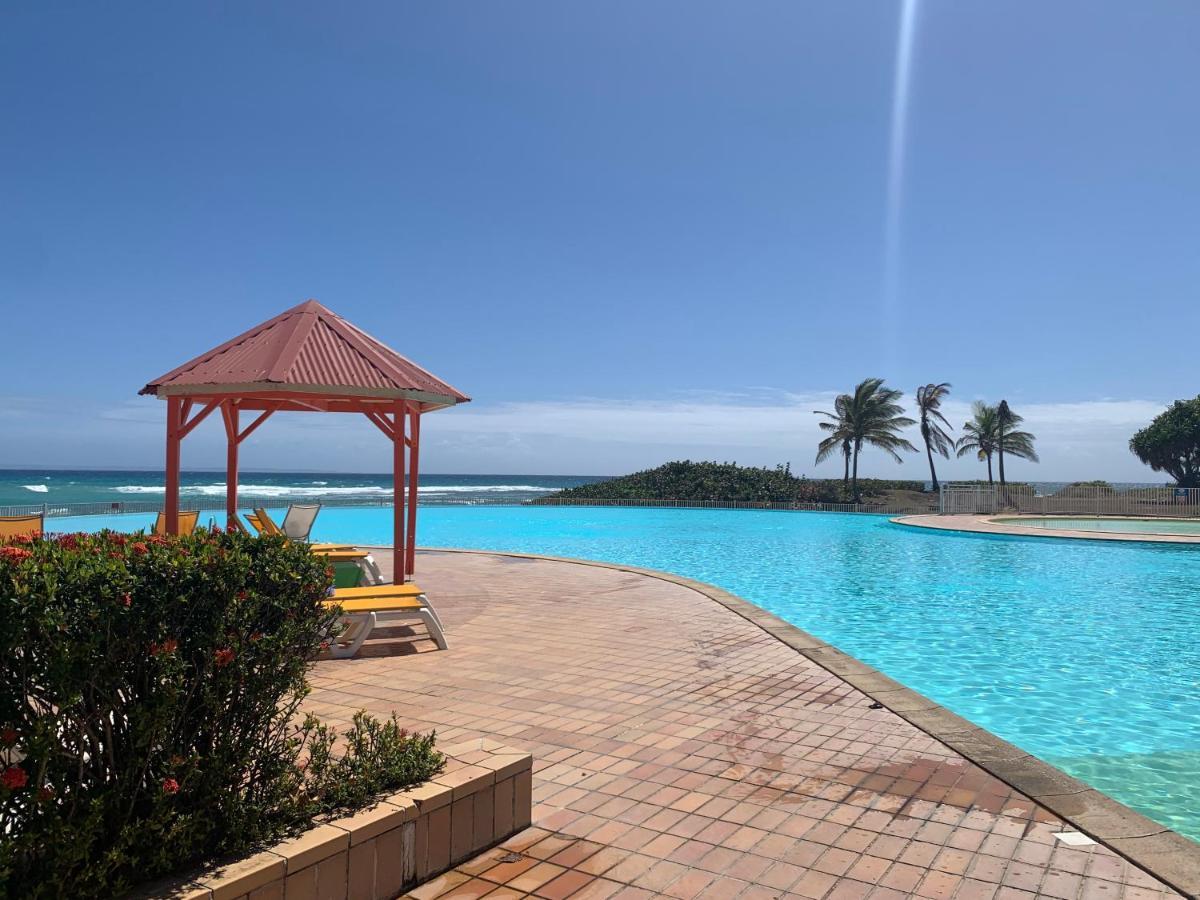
483	796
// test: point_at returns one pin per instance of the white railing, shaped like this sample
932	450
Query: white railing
1077	500
215	505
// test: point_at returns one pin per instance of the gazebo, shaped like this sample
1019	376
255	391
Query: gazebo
307	359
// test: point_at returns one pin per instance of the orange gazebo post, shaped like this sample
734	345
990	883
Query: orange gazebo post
307	359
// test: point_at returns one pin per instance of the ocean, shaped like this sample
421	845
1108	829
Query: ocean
21	487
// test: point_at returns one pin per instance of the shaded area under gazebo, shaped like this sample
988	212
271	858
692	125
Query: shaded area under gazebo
306	359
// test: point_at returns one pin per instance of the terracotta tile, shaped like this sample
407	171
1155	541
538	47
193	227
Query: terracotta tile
568	884
633	740
532	879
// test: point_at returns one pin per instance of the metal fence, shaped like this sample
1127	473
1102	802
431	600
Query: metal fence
954	498
1078	500
215	506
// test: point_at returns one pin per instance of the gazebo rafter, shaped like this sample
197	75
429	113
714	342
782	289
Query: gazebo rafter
306	359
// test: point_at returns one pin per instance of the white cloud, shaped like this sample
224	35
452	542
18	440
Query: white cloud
1076	440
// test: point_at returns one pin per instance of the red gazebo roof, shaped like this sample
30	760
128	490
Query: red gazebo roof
306	350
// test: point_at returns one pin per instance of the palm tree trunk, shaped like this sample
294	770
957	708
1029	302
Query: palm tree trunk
932	470
1000	450
854	476
991	481
846	470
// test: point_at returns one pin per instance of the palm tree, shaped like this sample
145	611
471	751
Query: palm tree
840	437
871	415
929	404
1009	440
979	435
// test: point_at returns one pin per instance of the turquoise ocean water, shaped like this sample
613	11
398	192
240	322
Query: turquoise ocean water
56	488
1083	653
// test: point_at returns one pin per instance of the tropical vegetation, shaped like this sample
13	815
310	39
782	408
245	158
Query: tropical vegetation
1171	443
690	481
934	424
871	416
1010	440
149	696
979	435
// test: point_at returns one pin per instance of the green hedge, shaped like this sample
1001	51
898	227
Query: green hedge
687	480
149	705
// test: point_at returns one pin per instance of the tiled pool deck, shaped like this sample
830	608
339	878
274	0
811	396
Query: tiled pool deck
682	750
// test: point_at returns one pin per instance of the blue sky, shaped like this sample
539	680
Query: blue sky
632	231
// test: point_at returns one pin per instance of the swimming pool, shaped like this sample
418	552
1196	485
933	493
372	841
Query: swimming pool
1082	653
1116	526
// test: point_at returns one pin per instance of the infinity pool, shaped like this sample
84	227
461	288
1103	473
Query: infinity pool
1083	653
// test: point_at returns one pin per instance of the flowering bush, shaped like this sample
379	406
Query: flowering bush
149	697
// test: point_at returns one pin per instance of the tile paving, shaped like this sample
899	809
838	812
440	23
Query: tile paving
681	751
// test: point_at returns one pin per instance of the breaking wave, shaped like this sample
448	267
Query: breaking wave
368	490
36	488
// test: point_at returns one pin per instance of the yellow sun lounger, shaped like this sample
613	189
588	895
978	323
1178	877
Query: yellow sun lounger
20	527
187	521
262	523
363	607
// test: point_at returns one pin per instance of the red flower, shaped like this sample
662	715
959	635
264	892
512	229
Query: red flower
45	794
170	786
15	554
14	777
140	548
68	541
119	539
8	737
215	529
168	646
126	599
242	595
157	539
324	645
223	657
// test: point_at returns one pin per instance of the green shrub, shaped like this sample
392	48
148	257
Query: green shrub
691	481
375	757
149	693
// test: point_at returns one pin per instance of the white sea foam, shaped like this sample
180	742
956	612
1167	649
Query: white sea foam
478	488
36	488
368	490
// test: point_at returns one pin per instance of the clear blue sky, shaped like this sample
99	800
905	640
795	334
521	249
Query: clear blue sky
668	216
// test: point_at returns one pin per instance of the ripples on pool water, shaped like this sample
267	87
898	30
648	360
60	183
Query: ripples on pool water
1082	653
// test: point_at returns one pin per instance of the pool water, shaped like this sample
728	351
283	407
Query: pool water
1117	526
1082	653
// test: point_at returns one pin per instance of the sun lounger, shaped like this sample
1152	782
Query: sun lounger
363	607
187	522
20	526
361	558
298	522
262	523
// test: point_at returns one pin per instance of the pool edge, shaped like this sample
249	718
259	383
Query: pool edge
1161	852
995	526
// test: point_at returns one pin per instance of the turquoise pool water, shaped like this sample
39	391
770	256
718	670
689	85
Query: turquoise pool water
1083	653
1118	526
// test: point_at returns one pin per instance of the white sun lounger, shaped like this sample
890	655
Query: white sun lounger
298	522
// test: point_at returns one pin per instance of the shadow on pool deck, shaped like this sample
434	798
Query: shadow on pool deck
687	743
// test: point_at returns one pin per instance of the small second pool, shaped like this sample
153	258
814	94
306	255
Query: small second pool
1112	525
